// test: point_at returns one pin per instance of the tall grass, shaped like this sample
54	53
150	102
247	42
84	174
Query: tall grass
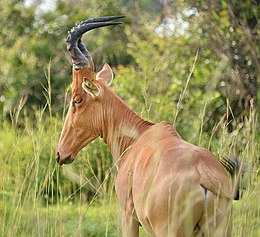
39	198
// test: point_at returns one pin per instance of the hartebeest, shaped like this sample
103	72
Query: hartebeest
164	184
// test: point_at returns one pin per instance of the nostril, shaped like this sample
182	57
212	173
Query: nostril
58	157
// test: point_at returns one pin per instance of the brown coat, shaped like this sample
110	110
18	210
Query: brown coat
165	184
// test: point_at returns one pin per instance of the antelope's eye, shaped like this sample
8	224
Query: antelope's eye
77	100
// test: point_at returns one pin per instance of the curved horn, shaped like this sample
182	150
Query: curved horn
79	54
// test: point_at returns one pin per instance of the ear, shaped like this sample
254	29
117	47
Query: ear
90	87
105	74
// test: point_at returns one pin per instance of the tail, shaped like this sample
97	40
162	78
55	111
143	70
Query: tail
237	170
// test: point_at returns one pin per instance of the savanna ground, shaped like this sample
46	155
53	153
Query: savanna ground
201	75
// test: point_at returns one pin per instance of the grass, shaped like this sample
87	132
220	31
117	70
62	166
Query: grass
39	198
59	220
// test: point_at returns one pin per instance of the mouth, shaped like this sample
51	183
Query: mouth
67	160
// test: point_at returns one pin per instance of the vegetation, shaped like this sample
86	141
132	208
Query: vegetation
193	64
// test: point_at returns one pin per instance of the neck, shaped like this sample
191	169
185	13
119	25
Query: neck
121	126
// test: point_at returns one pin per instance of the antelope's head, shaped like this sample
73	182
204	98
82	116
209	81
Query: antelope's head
83	121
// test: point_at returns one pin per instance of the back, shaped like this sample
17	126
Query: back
161	153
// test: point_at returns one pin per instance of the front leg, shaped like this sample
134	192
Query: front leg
130	224
123	185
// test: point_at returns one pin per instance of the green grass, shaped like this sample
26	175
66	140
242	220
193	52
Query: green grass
59	220
39	198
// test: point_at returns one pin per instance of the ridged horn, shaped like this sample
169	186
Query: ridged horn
80	55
